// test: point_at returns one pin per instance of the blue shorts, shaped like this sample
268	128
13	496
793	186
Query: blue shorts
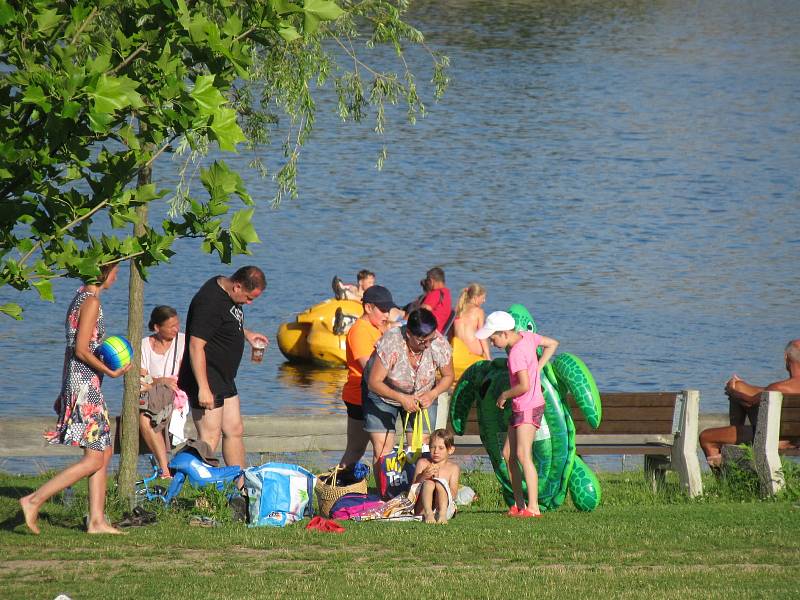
380	416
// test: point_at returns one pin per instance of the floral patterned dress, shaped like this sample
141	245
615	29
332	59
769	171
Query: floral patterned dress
83	417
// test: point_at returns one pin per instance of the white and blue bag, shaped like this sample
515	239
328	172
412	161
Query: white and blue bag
279	494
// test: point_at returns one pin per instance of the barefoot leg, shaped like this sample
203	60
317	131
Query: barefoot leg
30	504
31	512
428	488
97	498
155	442
442	501
712	440
514	472
526	434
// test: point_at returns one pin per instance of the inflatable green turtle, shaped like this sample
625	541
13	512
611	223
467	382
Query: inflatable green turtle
559	468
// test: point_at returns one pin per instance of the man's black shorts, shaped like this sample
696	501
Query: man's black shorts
355	411
219	400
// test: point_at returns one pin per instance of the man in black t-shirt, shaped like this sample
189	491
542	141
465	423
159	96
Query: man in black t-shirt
215	336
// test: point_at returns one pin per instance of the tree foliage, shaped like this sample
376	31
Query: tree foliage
93	92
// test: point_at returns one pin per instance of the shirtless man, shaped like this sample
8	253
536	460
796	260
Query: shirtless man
365	279
744	400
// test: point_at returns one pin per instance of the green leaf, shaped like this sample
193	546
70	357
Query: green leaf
283	7
148	192
288	32
114	93
12	310
45	289
227	130
198	26
208	97
310	23
7	13
47	19
242	227
319	10
233	26
35	95
71	110
220	181
100	122
100	63
128	135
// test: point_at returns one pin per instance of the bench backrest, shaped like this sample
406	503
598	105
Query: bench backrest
629	412
623	413
790	416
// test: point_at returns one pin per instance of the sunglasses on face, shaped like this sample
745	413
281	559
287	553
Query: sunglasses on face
420	342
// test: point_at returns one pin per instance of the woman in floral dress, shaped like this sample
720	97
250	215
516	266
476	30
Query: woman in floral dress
83	418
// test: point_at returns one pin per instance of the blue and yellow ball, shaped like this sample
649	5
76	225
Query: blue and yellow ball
115	352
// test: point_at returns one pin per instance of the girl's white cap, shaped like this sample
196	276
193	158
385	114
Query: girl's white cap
499	320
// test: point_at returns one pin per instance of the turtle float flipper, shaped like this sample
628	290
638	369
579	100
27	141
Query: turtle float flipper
584	487
467	393
573	374
555	483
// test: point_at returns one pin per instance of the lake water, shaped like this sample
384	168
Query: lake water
628	170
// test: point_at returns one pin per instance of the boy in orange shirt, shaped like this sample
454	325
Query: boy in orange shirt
361	340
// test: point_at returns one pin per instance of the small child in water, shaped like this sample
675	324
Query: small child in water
436	480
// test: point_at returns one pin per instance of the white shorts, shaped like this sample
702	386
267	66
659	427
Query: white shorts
413	494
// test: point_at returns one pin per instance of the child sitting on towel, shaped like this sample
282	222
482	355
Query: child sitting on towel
436	480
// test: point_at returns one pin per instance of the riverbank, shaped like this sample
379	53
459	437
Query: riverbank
319	439
637	544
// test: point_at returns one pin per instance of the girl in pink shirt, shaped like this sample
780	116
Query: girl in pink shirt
527	407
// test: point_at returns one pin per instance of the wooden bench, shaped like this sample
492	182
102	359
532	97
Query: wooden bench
778	419
661	426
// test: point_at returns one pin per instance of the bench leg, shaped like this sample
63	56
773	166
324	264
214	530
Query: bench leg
655	467
684	445
765	444
739	457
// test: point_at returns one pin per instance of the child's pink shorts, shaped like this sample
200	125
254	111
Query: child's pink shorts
530	416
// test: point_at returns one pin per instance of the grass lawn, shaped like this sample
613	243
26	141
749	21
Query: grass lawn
727	544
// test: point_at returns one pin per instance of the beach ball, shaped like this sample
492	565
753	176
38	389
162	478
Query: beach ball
115	352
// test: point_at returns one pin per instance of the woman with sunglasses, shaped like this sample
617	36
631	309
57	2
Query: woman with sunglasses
410	367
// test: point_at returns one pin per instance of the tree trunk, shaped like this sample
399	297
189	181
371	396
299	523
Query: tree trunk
129	441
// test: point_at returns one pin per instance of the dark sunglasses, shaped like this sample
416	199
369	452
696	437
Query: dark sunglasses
422	342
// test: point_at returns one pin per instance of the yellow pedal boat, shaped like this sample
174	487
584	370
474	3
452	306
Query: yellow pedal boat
310	338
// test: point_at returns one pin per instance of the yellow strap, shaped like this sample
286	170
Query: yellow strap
419	430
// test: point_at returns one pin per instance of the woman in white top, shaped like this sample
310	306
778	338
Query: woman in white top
161	361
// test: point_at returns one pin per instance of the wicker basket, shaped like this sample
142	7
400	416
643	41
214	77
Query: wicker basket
328	492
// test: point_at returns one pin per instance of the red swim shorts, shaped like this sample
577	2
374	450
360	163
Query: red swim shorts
530	416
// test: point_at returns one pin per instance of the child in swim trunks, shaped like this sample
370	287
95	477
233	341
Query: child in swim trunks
436	480
527	408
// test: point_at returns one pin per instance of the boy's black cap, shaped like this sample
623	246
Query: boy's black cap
380	297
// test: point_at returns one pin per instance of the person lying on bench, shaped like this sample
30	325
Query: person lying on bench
744	400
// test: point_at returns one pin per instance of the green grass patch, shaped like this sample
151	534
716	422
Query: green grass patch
636	544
